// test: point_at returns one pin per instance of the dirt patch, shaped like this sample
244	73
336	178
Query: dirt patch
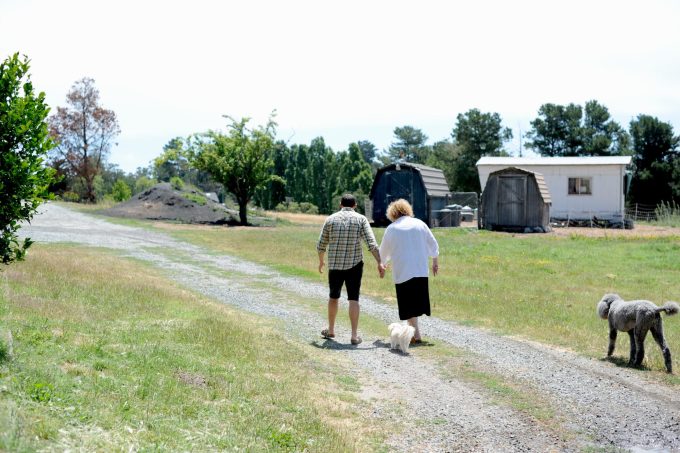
639	231
300	219
162	202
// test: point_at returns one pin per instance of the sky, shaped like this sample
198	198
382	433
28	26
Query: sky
346	70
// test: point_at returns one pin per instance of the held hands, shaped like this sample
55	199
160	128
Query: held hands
381	269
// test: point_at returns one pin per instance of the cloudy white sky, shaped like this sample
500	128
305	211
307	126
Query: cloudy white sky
346	70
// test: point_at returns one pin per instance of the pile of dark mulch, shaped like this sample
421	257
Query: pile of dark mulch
162	202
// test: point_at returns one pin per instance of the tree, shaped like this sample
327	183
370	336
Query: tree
172	161
24	143
477	134
445	156
602	136
573	131
557	130
655	156
368	150
355	174
237	160
274	192
409	146
84	132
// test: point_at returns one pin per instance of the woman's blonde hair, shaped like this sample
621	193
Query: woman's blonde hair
399	208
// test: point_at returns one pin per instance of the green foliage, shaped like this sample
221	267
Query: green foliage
238	160
196	198
446	156
24	142
41	392
70	196
144	183
292	206
409	145
566	131
355	174
177	183
476	134
368	150
121	191
656	160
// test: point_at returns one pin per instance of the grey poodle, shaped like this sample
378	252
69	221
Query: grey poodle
636	317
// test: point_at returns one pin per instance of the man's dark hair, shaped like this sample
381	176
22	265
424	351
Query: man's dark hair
348	201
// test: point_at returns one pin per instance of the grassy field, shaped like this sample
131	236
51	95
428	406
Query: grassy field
540	287
107	355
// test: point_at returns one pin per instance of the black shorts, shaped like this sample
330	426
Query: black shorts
350	277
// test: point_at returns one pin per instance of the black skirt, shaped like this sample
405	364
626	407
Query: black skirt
413	298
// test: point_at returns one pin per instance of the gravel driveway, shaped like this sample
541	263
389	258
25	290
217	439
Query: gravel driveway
597	405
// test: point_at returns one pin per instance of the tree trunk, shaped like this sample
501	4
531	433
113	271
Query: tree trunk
243	212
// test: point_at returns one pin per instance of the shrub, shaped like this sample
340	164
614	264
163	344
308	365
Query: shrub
24	143
121	191
144	183
197	198
308	208
70	196
294	207
177	183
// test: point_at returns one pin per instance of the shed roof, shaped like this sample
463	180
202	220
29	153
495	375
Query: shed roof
584	160
542	186
433	178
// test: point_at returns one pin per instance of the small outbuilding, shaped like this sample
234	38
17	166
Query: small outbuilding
515	199
581	188
424	187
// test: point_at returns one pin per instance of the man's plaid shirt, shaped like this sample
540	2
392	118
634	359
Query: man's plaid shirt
341	235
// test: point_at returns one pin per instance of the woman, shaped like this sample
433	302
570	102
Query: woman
409	243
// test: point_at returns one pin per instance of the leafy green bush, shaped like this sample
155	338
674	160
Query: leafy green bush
294	207
70	196
121	191
177	183
144	183
308	208
24	143
196	198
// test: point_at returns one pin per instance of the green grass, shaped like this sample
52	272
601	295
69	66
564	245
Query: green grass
108	355
541	287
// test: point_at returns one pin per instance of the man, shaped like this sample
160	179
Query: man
341	235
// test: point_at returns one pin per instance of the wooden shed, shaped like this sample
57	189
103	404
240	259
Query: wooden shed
424	187
515	199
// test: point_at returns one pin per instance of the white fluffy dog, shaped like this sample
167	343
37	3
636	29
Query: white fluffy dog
400	335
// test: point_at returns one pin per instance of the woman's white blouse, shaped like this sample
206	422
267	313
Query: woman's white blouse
408	243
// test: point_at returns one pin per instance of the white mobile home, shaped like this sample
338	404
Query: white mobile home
581	188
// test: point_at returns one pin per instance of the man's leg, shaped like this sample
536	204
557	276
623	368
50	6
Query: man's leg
353	283
354	317
332	313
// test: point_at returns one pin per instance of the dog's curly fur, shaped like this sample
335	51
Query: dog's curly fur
637	317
